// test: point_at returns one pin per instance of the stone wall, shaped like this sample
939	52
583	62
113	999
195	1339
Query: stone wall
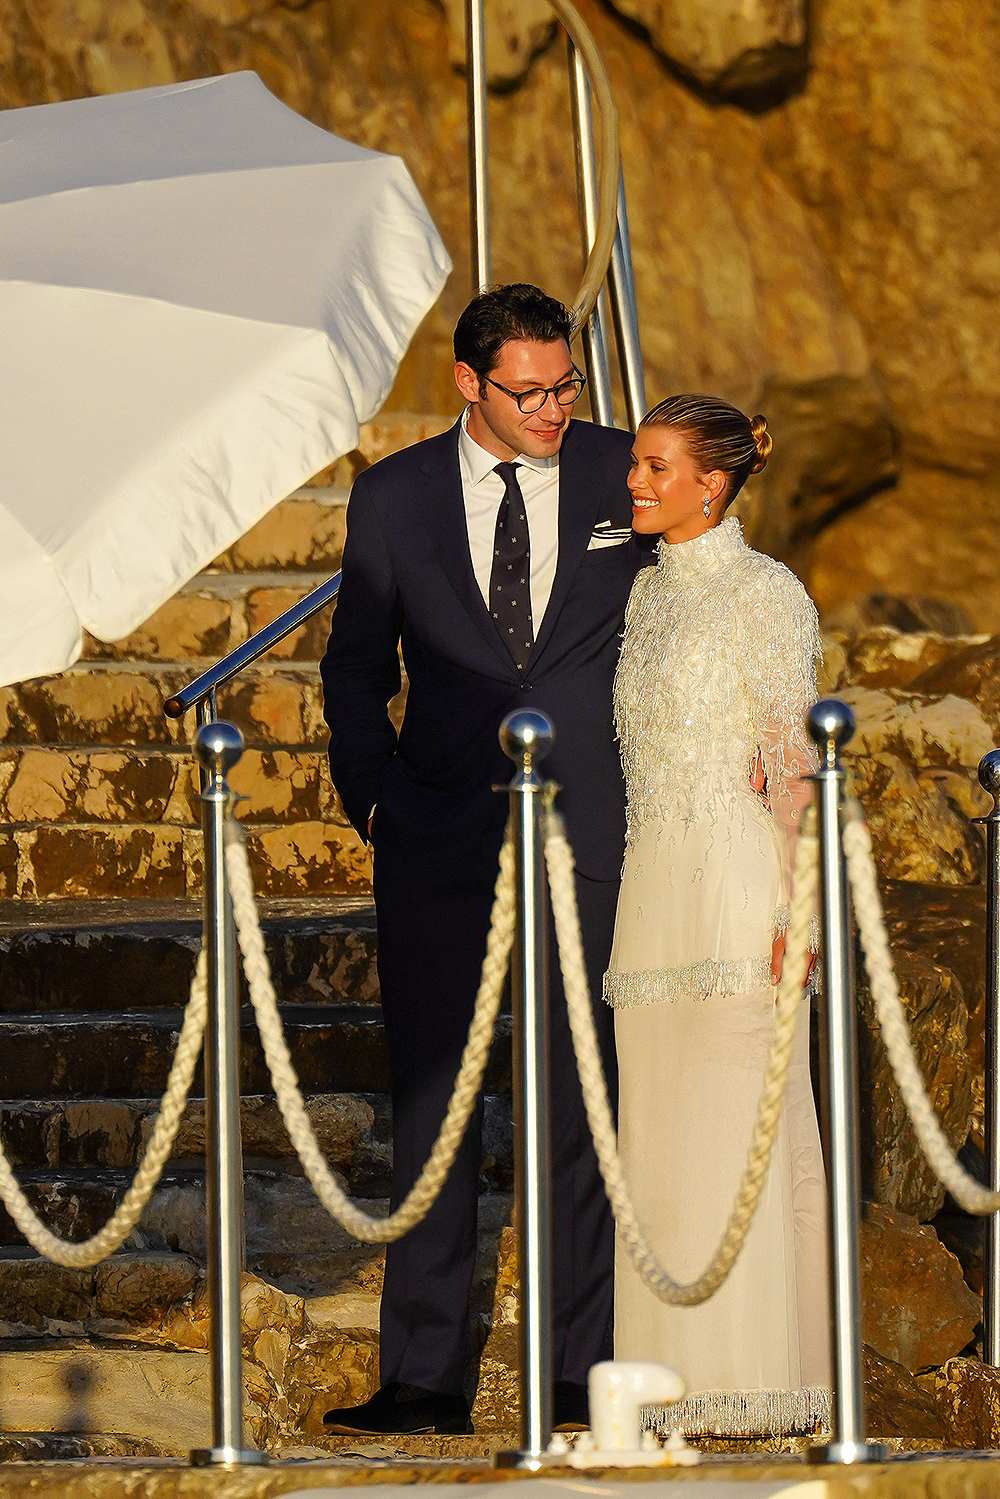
814	233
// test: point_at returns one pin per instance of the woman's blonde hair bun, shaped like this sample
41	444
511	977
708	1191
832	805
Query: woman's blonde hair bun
762	441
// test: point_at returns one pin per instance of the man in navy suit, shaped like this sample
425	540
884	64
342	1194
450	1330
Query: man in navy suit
500	555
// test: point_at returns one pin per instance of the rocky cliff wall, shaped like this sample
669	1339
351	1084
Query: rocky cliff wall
810	198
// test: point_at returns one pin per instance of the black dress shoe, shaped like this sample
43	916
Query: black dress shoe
570	1406
402	1410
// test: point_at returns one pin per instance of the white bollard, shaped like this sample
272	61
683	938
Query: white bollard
618	1391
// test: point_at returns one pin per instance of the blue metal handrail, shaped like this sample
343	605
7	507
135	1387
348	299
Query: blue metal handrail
202	689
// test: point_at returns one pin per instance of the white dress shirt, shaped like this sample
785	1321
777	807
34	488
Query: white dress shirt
483	490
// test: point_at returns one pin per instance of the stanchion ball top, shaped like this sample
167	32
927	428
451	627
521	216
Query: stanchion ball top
830	719
526	733
989	772
218	746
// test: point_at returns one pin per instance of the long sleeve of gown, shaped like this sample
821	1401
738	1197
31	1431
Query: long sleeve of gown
781	666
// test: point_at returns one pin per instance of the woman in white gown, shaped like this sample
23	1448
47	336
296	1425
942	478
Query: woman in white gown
717	671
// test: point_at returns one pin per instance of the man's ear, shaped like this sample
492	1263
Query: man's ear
467	381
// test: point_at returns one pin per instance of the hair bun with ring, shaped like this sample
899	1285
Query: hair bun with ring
762	441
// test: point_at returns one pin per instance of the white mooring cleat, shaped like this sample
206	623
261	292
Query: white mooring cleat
618	1391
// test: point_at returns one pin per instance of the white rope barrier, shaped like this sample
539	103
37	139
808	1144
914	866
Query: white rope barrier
974	1197
161	1142
422	1195
559	859
970	1194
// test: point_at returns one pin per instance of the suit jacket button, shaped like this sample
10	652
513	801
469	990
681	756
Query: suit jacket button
525	686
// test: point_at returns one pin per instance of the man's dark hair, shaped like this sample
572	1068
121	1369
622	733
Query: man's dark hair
501	313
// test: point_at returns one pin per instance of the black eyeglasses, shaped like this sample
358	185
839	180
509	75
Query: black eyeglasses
530	401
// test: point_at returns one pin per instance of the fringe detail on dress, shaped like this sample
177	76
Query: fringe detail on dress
743	1413
723	976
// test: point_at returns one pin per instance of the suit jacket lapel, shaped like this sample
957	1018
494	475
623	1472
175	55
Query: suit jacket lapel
453	545
579	499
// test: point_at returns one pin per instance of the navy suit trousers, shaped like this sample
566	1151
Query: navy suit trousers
430	951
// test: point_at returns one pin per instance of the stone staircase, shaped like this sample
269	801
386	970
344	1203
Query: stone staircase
100	874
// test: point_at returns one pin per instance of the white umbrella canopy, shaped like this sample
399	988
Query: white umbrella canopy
202	296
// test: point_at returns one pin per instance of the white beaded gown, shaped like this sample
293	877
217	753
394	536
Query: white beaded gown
716	673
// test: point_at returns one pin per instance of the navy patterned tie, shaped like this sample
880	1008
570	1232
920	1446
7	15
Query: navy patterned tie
510	577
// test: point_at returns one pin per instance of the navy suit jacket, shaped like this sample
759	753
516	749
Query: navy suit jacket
408	576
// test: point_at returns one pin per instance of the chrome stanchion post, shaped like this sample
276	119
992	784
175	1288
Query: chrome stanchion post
526	738
831	725
205	713
989	779
621	283
479	195
219	746
595	330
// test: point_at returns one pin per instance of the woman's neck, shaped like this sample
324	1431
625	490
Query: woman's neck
690	529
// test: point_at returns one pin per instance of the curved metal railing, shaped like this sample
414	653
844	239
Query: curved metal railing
202	690
608	259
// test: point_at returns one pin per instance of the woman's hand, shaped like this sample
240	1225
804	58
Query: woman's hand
778	959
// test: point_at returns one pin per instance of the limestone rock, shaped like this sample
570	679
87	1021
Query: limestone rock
917	833
894	1167
895	1405
972	673
264	1307
187	627
917	1309
324	1372
33	1293
348	1312
909	614
945	926
932	540
833	440
154	1395
497	1403
139	1288
889	145
516	31
884	656
913	758
928	730
300	533
968	1401
338	1119
751	52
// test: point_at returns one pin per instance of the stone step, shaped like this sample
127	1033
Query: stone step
53	862
104	704
115	955
159	785
46	1134
215	613
353	1130
72	1446
291	1240
335	1048
304	533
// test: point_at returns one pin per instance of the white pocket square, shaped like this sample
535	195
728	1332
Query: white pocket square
606	535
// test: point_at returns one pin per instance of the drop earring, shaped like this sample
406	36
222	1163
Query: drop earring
707	508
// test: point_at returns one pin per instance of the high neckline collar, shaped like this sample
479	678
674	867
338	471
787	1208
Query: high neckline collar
707	553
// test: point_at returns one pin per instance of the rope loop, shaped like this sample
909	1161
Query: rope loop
559	860
78	1256
424	1192
970	1194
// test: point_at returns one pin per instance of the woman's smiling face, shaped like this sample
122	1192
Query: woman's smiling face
668	495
